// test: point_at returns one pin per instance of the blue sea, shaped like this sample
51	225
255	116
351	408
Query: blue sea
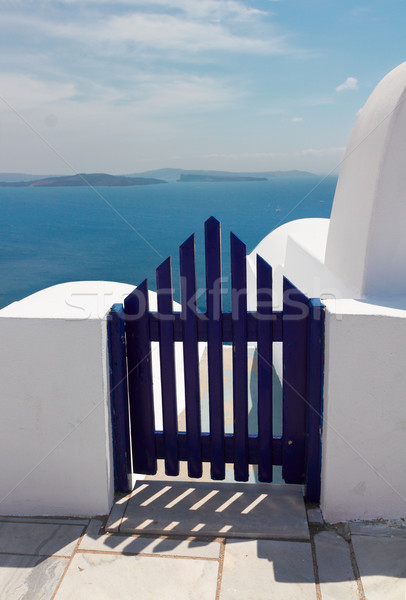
54	235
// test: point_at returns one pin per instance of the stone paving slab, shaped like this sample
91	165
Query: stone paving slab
258	570
218	510
39	538
30	577
46	520
336	575
382	566
395	529
113	577
314	516
91	541
117	513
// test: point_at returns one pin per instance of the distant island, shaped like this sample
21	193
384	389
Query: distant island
145	178
192	177
178	174
84	179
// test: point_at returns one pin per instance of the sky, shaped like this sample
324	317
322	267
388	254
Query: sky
240	85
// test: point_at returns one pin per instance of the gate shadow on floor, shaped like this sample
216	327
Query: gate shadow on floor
216	509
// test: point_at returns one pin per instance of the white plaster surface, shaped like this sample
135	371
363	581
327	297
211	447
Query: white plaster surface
364	431
73	301
295	250
55	393
55	441
366	243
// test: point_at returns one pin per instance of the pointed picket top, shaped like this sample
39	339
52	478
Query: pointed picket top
236	243
238	255
212	222
187	260
264	263
132	301
143	286
189	244
164	287
165	264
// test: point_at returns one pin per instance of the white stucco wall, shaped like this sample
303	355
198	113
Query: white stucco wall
364	430
55	431
55	441
366	244
297	251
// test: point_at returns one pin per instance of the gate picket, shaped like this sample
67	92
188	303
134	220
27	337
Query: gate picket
167	362
240	358
136	308
191	356
295	319
215	347
264	353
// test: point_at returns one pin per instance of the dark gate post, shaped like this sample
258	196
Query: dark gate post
315	369
119	399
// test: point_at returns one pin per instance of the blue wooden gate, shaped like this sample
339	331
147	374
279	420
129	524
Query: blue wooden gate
299	326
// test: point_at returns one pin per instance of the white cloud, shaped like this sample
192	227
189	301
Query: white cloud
21	92
157	32
211	8
351	83
297	119
148	94
196	9
167	32
157	94
319	152
336	151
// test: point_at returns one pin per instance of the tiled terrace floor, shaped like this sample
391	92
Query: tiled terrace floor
76	559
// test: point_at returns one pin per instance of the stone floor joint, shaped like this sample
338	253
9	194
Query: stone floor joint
315	565
357	574
69	564
221	566
145	554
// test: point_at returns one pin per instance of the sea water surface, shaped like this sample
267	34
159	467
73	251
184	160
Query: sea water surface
55	235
